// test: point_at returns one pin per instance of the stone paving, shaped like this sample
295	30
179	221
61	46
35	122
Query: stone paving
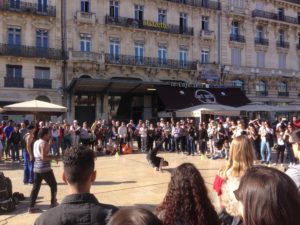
122	181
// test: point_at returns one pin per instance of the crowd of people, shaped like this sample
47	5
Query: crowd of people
248	194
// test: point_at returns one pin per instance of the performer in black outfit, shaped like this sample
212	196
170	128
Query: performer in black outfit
154	160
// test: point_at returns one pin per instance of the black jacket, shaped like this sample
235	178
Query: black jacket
77	209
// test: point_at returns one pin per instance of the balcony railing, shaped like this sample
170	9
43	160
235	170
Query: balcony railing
237	38
293	1
298	47
28	7
199	3
85	56
282	44
14	82
206	33
30	51
148	25
261	93
85	17
42	83
283	94
149	62
262	41
274	16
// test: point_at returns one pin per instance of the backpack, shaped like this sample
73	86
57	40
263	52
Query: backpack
7	204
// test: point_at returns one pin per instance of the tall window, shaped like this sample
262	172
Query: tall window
85	6
85	42
42	73
260	59
261	86
42	5
205	24
204	56
42	39
14	4
14	36
282	61
139	52
298	17
114	50
162	16
260	6
282	87
239	84
162	55
139	12
259	33
281	13
281	37
13	71
114	8
183	57
236	57
235	28
183	22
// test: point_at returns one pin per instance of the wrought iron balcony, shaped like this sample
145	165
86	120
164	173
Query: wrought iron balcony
148	25
237	38
262	41
84	56
85	17
28	7
14	82
282	44
283	94
42	83
261	93
30	51
199	3
149	62
274	16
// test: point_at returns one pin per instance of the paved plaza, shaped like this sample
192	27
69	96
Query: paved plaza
122	181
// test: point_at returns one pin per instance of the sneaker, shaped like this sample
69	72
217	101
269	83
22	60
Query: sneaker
281	164
34	210
274	164
53	205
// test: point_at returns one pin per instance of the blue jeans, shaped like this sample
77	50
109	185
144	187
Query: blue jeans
28	168
191	146
265	145
55	146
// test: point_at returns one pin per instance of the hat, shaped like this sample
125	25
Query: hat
296	136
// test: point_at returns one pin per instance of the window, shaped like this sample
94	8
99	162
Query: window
235	28
42	39
205	24
260	59
280	13
260	6
298	41
14	36
238	83
139	12
236	57
261	86
162	16
281	37
299	63
42	5
14	71
282	87
282	61
298	17
139	52
114	50
204	56
42	73
183	23
183	57
85	42
114	8
259	33
162	55
204	3
85	6
14	4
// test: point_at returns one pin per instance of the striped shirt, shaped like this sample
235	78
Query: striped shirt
40	166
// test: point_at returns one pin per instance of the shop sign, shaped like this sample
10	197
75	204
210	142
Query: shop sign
155	24
205	96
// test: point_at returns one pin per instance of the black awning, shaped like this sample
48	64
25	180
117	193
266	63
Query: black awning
175	98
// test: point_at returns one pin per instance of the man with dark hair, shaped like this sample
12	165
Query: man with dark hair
42	168
79	207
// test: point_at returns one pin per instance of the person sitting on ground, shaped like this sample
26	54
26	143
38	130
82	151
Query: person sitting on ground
80	206
157	162
268	197
111	147
134	216
187	201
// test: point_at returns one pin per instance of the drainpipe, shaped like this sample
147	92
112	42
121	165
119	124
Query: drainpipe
64	51
219	35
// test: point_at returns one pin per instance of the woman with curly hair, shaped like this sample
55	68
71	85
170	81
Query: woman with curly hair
186	201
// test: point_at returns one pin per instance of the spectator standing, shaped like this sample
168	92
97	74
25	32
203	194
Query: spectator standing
15	139
8	130
122	134
143	131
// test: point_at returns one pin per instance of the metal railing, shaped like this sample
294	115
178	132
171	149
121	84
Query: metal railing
274	16
282	44
261	93
283	94
42	83
150	62
28	7
30	51
262	41
237	38
148	25
14	82
199	3
298	47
